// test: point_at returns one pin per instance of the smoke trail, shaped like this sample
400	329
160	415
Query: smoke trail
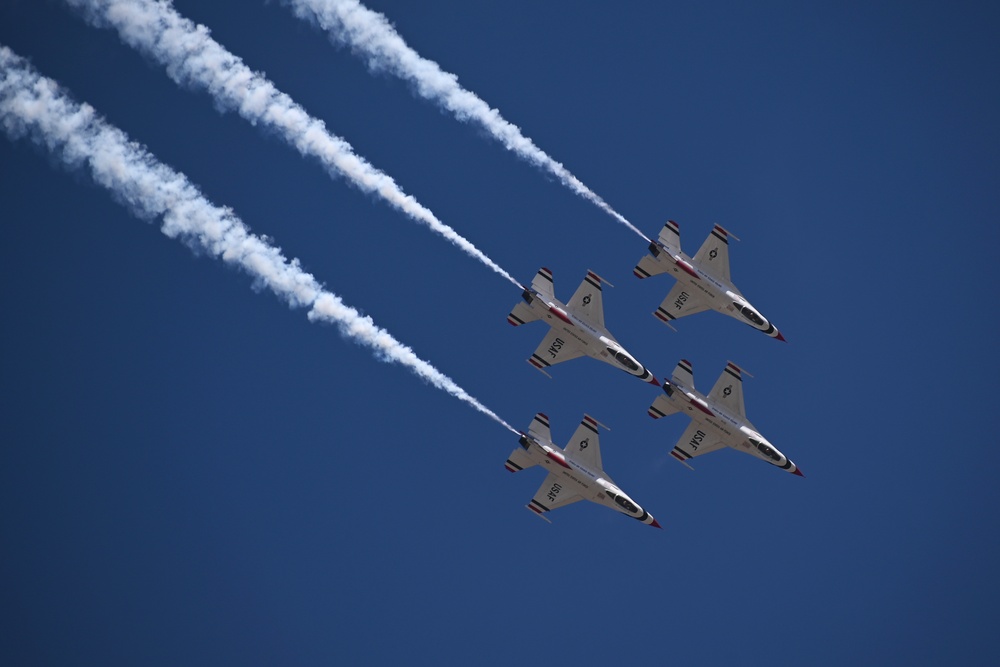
371	36
194	59
35	106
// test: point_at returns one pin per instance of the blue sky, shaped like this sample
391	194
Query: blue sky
192	473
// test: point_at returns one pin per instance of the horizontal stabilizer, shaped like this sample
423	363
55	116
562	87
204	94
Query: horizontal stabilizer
662	407
521	313
539	428
683	374
542	284
649	266
519	460
670	236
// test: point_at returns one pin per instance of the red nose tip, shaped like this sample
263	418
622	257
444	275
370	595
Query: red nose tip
798	472
653	381
781	338
656	524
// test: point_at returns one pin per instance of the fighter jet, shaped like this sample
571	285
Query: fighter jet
575	473
717	420
702	281
577	327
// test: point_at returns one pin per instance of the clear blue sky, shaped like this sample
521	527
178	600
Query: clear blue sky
191	473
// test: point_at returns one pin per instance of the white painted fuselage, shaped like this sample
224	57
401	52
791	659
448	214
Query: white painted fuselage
571	477
717	424
593	341
716	293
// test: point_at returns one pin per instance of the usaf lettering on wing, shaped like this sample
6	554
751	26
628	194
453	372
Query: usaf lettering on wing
681	300
699	436
557	345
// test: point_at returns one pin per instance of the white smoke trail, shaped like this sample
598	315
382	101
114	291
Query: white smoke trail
371	36
34	106
192	58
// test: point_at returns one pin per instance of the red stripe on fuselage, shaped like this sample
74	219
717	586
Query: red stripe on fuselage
687	267
561	315
558	458
701	407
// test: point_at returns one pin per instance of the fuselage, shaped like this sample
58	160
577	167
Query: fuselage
578	479
720	295
720	425
594	341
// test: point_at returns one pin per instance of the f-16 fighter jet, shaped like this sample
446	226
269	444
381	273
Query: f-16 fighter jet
702	281
577	327
575	473
717	420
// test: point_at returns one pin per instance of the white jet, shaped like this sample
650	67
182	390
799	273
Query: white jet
577	328
717	420
703	281
575	473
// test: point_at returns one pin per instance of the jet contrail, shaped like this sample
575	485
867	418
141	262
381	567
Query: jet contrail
34	106
371	36
192	58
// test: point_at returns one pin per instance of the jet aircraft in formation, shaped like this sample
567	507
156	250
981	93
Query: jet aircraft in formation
703	281
575	473
717	420
577	328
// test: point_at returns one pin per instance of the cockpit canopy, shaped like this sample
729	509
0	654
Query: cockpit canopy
624	359
750	314
623	502
766	450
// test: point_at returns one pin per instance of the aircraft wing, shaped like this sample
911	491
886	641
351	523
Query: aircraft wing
587	302
554	349
553	494
694	442
728	390
585	445
680	301
714	253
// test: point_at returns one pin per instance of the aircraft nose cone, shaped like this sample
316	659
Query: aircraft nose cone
781	338
798	472
653	381
656	524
